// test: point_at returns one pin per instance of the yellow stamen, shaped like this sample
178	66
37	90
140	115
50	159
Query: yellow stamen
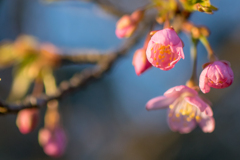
198	118
177	115
192	115
189	119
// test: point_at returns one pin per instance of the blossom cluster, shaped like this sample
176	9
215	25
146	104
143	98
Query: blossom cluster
163	49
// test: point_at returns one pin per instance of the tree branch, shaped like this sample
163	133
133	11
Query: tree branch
103	63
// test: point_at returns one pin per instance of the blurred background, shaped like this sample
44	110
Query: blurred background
107	119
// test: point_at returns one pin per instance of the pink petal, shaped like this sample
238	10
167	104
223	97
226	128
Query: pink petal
220	75
120	33
178	49
208	111
140	61
205	100
178	90
203	82
207	123
148	51
159	102
197	102
166	36
179	124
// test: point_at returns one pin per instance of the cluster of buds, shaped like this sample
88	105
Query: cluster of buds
52	137
207	8
31	61
186	108
164	48
26	48
195	31
199	5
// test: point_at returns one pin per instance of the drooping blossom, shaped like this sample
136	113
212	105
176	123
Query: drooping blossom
128	24
27	120
165	49
217	74
186	109
140	62
53	141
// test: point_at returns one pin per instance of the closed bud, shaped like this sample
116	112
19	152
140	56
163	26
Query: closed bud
140	62
217	74
27	120
53	141
127	25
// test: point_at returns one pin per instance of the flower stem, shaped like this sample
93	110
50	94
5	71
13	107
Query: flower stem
209	49
193	51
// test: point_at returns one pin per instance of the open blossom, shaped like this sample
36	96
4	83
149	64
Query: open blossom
186	109
140	61
165	49
27	120
128	24
53	141
216	75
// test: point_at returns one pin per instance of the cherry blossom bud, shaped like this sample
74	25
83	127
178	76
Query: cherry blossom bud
140	61
165	49
27	120
128	24
53	141
217	74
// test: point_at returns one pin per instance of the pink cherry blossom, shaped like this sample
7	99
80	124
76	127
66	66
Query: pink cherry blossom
216	75
140	61
186	109
53	141
128	24
27	120
165	49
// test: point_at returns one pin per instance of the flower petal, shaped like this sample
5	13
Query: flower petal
178	49
180	123
203	82
207	123
208	111
178	90
159	102
166	36
197	102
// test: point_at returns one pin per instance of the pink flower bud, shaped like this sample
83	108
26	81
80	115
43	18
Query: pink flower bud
27	120
216	75
125	27
53	141
128	24
165	49
140	61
